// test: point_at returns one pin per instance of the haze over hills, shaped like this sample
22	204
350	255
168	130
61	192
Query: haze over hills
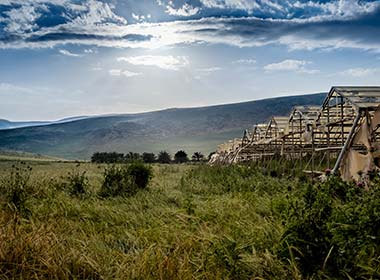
191	129
6	124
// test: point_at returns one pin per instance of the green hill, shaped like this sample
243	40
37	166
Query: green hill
191	129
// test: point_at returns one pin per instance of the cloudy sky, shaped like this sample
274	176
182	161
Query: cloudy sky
62	58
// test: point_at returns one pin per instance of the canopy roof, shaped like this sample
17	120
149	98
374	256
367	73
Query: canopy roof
359	97
306	113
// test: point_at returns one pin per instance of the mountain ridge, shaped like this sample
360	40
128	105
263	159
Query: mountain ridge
192	129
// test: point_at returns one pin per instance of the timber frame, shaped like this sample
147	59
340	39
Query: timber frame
344	132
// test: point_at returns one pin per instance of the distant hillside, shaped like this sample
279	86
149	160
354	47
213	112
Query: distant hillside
5	124
191	129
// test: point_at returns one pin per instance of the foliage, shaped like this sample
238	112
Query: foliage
77	182
164	157
105	157
181	157
193	222
117	182
140	173
132	157
333	231
113	157
148	157
197	156
15	189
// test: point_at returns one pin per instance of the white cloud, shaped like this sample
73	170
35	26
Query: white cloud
68	53
359	72
21	19
95	24
185	11
97	12
126	73
140	17
290	65
209	70
336	9
204	72
245	61
164	62
248	5
88	51
6	88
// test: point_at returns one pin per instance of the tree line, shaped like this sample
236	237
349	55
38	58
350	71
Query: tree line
162	157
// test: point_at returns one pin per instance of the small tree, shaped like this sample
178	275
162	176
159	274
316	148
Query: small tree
148	157
197	156
140	173
180	157
131	157
164	157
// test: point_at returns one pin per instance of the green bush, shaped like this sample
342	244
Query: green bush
117	182
140	173
333	231
15	189
77	183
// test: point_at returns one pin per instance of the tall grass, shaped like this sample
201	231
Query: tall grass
192	222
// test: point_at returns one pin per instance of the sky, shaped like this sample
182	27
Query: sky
61	58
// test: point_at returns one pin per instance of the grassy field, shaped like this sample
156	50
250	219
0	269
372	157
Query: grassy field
192	222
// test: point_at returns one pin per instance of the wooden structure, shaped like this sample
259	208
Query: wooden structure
344	132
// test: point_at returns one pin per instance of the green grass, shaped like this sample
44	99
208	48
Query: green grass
192	222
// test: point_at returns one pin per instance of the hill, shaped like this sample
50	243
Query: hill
6	124
191	129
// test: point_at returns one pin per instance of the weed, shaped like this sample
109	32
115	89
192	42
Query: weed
15	189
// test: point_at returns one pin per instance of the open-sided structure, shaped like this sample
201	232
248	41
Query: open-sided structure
344	131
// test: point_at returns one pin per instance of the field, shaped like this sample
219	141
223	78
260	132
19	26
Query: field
192	222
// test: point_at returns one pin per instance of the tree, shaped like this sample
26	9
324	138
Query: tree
131	157
180	157
148	157
197	156
164	157
107	157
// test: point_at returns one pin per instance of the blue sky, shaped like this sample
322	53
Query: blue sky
62	58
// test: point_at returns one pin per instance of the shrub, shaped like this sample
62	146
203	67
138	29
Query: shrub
180	157
77	183
332	231
148	157
163	157
15	189
117	182
140	173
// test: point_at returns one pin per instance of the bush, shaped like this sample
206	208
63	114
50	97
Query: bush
77	183
333	231
117	182
148	157
15	189
125	180
181	157
164	157
140	173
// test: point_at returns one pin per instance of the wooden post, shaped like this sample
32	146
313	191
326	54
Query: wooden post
347	143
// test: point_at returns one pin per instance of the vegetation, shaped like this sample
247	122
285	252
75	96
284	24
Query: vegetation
181	157
114	157
197	156
164	157
77	182
149	157
192	221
